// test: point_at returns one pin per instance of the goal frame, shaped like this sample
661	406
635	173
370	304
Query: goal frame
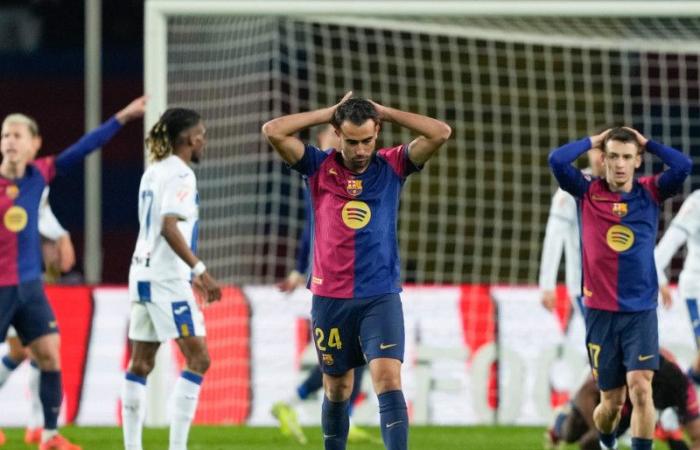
157	12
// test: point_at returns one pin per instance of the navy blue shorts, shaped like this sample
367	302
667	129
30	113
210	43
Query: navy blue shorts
351	332
619	342
26	307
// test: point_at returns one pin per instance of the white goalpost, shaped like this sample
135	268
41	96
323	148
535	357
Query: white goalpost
514	79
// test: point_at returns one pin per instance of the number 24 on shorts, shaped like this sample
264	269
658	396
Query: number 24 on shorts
333	339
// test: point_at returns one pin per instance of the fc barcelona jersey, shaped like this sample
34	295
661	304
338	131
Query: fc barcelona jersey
20	244
354	221
618	229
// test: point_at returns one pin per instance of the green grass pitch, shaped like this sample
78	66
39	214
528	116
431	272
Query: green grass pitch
254	438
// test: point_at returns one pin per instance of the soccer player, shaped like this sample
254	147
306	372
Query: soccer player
60	258
284	410
618	214
685	227
356	309
674	394
163	269
23	303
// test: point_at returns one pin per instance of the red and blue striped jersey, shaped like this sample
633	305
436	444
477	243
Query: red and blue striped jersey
618	229
20	242
354	221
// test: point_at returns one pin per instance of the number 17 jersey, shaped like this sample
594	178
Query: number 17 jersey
168	188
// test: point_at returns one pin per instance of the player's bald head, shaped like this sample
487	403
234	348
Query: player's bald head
355	110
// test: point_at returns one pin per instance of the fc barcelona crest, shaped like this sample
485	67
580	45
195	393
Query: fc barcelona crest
620	209
354	187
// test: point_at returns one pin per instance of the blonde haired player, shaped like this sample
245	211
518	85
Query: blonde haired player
163	268
62	260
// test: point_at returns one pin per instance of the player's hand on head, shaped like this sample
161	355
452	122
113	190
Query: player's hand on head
332	109
134	110
549	300
381	110
666	297
640	138
597	139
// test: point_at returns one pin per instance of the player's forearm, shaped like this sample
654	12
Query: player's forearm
679	167
431	129
90	142
552	248
673	239
570	179
177	242
282	127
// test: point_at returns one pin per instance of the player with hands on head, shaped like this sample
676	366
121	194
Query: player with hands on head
163	271
356	313
619	217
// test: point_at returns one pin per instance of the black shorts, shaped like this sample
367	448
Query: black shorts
26	307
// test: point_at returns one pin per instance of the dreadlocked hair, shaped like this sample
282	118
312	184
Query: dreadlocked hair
164	135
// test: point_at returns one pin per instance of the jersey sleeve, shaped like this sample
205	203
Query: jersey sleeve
311	161
673	239
688	218
179	196
49	226
670	181
398	159
91	141
569	177
650	183
47	167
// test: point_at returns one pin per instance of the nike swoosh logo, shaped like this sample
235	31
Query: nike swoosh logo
328	436
644	358
389	425
385	346
180	310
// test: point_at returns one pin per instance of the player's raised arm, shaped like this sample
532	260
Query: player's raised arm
569	177
98	137
679	165
433	133
281	132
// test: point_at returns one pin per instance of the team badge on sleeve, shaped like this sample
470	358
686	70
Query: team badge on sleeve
354	187
619	209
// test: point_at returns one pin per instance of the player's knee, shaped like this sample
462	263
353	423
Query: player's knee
47	360
640	392
337	389
386	380
199	363
141	367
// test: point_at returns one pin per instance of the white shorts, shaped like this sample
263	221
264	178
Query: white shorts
164	310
